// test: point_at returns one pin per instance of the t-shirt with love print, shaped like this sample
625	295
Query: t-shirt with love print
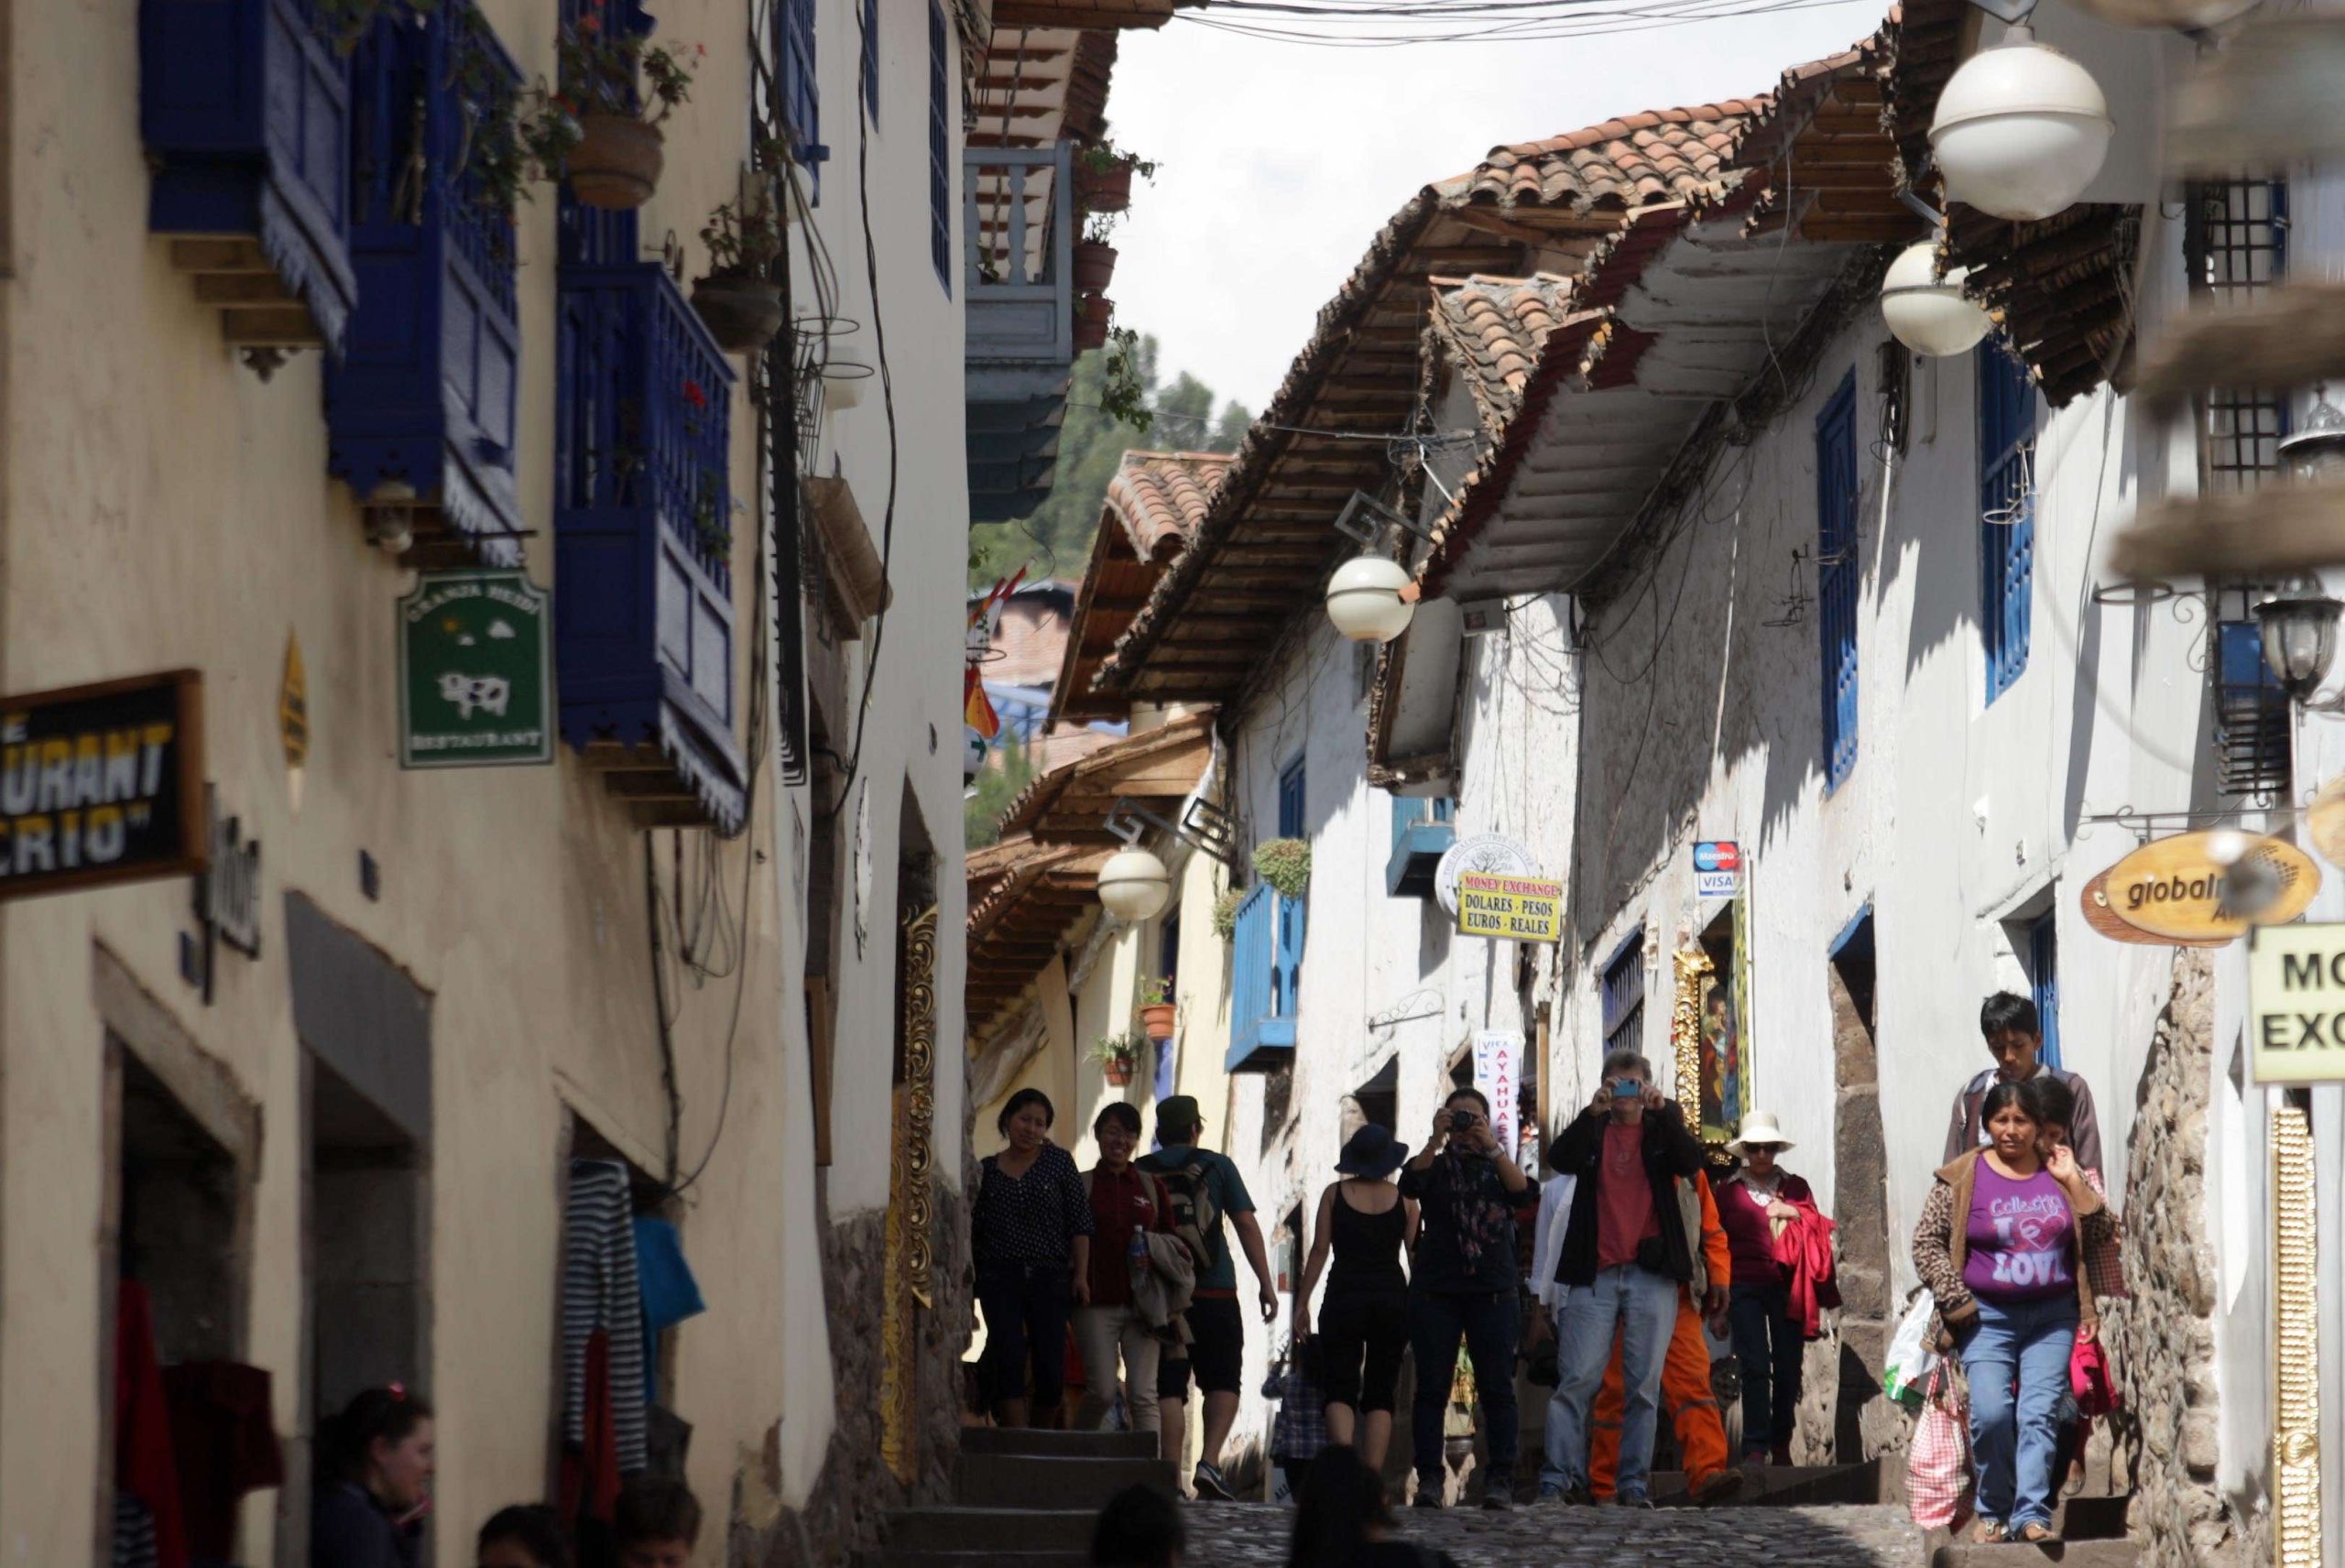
2018	1239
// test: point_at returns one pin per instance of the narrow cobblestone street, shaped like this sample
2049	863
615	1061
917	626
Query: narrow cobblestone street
1250	1535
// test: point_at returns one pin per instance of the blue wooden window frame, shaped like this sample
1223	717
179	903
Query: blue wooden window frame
1837	577
870	27
2254	716
1291	798
940	146
1622	990
599	236
2044	982
2006	512
801	88
1262	1021
1423	832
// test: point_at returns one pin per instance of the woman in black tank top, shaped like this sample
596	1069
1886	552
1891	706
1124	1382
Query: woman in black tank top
1366	1224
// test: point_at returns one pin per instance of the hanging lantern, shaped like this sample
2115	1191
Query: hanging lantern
1928	313
2299	641
2317	452
1369	598
2021	130
1134	885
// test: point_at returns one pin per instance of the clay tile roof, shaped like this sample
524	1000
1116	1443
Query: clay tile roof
1656	156
1160	498
1496	326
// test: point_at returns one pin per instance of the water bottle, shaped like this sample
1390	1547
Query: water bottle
1138	1251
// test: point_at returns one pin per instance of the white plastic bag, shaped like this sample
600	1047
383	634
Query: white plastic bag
1911	1360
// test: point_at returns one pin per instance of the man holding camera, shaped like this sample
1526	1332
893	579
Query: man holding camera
1465	1284
1624	1256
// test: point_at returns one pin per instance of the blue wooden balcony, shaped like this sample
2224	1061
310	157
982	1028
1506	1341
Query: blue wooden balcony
1266	972
1421	833
643	582
244	109
1019	221
420	408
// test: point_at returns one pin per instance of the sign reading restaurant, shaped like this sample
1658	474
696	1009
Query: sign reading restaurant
102	784
2296	997
1516	908
474	689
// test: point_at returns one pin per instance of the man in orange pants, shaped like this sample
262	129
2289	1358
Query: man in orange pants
1686	1394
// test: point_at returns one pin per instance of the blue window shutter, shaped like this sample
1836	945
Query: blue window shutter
1407	812
2007	513
1290	800
802	102
2044	974
940	146
871	60
1837	577
1622	991
1261	1035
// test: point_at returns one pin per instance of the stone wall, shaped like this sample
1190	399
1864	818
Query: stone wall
2161	1341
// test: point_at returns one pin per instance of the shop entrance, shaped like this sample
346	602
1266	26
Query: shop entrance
1863	1424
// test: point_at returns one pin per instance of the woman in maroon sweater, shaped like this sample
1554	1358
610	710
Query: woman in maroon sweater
1754	1204
1125	1201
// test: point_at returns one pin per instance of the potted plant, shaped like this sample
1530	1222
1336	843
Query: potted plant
1225	912
1157	1010
1103	176
1118	1053
1095	258
1093	314
1285	865
614	163
740	305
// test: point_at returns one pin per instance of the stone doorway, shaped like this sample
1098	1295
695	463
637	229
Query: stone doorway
1844	1417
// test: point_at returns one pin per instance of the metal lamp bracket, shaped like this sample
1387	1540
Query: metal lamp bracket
1364	517
2013	12
1204	827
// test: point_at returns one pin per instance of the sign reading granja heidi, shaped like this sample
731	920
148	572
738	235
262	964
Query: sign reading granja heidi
473	671
102	783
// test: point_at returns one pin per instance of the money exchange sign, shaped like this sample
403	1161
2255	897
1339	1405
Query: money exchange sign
474	672
1518	908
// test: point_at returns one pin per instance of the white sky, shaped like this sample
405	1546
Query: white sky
1279	162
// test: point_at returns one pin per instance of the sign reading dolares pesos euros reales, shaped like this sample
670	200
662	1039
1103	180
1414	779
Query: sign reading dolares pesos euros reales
1517	909
475	684
2296	996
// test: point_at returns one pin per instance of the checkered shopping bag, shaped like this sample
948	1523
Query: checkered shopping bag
1938	1467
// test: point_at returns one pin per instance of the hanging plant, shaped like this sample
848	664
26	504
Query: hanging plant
1119	1053
1125	394
1225	913
1158	1014
1285	865
737	302
615	161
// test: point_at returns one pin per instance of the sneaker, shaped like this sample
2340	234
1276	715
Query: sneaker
1211	1484
1428	1494
1551	1493
1717	1486
1577	1495
1498	1494
1632	1500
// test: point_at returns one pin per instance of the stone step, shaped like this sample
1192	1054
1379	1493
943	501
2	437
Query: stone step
1788	1485
2091	1518
985	1532
2069	1555
1059	1444
1039	1481
904	1557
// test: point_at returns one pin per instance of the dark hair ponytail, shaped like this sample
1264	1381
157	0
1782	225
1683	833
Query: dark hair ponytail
387	1415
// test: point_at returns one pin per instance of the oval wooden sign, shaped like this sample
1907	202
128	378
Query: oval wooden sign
2325	821
2103	920
2175	888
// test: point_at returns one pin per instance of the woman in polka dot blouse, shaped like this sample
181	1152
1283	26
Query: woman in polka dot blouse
1031	1239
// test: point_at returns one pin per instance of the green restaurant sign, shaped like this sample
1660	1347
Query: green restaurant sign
475	688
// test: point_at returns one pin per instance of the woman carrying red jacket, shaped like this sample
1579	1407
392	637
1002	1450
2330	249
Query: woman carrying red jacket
1755	1204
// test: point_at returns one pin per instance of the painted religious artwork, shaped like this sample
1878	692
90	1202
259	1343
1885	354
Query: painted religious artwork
1721	1057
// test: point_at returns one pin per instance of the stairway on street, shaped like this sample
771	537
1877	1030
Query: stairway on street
1022	1499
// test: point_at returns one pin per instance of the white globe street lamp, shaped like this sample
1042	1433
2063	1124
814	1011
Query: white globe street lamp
1928	313
1372	599
1134	885
2021	129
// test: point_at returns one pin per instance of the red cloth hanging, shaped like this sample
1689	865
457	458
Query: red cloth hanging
590	1473
143	1463
223	1439
1804	1249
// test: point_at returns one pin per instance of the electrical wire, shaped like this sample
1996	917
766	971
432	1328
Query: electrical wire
1407	25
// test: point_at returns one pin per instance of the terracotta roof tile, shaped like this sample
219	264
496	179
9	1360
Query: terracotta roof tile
1651	157
1159	497
1495	327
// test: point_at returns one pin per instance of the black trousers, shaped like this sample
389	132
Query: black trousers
1026	1307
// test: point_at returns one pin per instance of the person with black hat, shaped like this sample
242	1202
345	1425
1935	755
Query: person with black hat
1202	1187
1364	1223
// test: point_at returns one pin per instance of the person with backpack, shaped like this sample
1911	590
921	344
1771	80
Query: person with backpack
1202	1187
1126	1204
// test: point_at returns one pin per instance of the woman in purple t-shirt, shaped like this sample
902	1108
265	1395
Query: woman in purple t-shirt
1998	1246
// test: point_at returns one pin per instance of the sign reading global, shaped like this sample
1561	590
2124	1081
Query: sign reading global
1492	855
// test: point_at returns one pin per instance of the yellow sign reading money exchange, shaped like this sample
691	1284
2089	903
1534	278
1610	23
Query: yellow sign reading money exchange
1518	908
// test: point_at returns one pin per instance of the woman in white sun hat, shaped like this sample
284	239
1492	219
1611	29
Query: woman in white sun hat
1755	1204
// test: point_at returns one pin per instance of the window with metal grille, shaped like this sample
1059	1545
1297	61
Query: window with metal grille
2044	983
1622	989
2006	512
940	146
1836	577
2235	237
871	25
2252	713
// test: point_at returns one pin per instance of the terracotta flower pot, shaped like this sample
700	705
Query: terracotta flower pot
1103	191
741	314
1093	313
1094	265
616	165
1119	1073
1157	1020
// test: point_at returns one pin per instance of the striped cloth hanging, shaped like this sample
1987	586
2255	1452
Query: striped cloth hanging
599	1292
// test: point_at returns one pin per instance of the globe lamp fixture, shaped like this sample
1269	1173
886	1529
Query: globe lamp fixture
1928	313
2299	641
1134	885
2315	454
2021	130
1372	599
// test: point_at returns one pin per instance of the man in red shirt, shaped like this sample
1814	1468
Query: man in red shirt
1625	1254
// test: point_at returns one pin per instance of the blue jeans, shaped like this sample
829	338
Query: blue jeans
1767	1347
1489	1322
2015	1438
1641	1308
